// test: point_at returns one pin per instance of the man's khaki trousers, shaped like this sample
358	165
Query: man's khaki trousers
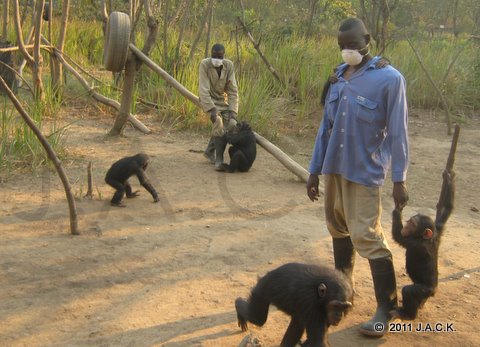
354	210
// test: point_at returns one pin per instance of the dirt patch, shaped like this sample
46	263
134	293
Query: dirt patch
167	274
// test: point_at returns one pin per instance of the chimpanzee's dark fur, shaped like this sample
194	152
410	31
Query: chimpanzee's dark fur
315	297
243	150
421	252
119	173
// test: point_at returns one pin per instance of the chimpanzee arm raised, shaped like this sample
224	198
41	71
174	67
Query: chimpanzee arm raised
397	227
445	204
144	181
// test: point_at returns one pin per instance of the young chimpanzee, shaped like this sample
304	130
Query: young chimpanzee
314	297
119	173
421	237
243	150
333	78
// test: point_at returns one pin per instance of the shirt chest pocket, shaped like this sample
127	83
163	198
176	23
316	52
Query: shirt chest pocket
366	110
332	106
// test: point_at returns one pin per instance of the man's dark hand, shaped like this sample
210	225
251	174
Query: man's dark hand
312	187
400	195
213	115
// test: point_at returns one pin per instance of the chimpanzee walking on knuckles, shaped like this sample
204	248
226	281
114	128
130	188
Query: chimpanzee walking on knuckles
119	173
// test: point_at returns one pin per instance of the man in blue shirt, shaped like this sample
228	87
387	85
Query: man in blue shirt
363	132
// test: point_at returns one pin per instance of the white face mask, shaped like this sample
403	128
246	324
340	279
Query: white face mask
217	62
352	56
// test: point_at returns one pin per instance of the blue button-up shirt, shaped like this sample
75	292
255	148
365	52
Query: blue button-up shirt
364	127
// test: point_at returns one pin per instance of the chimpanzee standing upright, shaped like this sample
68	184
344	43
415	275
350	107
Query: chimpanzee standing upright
421	237
119	173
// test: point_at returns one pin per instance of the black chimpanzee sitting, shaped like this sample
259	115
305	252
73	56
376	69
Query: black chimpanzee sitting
421	237
119	173
243	150
314	297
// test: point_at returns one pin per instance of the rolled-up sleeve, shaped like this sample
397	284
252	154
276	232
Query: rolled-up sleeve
321	143
397	128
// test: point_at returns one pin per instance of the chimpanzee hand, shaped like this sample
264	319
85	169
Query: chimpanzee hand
381	63
312	187
156	199
333	78
133	194
400	195
213	115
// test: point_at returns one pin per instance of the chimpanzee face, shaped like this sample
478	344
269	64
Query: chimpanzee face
419	226
337	310
411	226
242	126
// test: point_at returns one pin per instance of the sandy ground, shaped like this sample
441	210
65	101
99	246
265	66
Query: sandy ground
167	274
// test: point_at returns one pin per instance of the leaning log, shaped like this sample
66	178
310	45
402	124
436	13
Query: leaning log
283	158
97	96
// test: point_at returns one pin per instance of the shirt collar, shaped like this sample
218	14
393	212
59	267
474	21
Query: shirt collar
370	65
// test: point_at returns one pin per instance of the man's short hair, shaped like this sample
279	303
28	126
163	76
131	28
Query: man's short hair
218	47
353	23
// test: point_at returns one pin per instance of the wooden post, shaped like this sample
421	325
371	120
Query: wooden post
97	96
58	73
89	181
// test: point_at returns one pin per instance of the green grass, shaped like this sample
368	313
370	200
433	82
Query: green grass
19	147
302	63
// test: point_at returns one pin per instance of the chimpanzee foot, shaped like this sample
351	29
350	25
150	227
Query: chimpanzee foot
117	204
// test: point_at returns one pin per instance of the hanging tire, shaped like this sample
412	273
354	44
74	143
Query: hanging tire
117	39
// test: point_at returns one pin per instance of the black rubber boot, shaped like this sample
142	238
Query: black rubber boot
220	144
210	150
383	275
344	257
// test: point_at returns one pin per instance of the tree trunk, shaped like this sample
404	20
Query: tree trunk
58	70
129	79
176	62
6	11
99	97
51	155
200	31
127	94
208	28
455	17
311	16
165	33
37	56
